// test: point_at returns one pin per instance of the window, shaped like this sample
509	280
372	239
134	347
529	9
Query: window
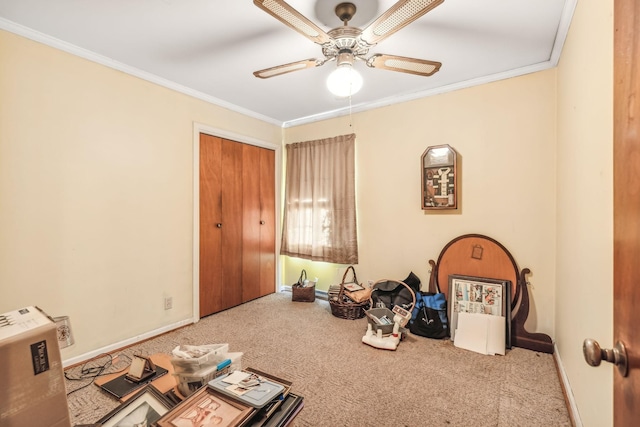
320	203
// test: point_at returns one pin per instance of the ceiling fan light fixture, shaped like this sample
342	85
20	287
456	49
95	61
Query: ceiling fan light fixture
344	81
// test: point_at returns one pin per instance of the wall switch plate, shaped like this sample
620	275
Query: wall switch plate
168	303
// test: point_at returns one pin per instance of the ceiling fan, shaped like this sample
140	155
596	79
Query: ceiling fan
346	44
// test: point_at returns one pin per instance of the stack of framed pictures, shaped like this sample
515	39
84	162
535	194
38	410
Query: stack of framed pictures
482	295
266	412
285	413
209	406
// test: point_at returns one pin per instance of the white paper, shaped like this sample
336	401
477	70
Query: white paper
482	333
235	377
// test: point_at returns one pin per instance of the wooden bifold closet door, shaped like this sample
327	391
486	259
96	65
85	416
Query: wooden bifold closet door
237	223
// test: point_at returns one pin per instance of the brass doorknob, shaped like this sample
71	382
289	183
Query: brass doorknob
219	225
594	355
261	222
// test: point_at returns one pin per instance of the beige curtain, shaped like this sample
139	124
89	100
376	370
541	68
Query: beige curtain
320	201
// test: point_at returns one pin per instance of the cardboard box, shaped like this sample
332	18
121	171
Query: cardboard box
33	389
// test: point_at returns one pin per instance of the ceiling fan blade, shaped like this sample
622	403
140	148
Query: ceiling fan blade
420	67
396	17
287	68
283	12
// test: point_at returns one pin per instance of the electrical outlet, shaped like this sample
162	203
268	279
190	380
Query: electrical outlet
168	303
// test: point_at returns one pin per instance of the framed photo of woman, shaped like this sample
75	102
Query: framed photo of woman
207	408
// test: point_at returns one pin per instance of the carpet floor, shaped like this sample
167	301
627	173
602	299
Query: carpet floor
344	382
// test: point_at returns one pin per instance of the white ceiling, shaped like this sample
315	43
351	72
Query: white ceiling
210	48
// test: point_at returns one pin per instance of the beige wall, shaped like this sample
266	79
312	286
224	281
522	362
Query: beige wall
97	205
504	133
96	192
584	292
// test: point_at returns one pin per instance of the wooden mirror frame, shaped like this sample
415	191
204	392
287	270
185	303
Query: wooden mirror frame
481	256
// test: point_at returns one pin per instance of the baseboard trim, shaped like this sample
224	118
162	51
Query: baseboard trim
319	294
125	343
566	390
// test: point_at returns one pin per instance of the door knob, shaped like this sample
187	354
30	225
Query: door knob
261	222
219	225
617	355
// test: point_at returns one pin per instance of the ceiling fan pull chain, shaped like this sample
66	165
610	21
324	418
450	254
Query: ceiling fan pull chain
350	117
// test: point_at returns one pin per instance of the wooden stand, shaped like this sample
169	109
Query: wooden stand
519	335
481	256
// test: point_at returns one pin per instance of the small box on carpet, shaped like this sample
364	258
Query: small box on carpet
33	391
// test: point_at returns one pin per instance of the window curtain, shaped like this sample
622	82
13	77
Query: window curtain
320	201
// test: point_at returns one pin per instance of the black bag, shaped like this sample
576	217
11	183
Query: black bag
413	282
429	317
388	294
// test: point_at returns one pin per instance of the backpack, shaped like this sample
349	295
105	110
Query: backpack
429	316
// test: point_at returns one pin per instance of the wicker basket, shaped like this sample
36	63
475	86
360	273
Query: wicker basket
345	308
302	293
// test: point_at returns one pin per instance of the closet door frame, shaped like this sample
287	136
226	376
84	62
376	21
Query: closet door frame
199	128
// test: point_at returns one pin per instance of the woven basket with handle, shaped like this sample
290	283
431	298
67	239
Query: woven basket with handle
300	292
344	307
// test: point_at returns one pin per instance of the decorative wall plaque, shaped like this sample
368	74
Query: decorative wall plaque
439	178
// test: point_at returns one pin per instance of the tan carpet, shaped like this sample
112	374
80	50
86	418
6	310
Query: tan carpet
347	383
